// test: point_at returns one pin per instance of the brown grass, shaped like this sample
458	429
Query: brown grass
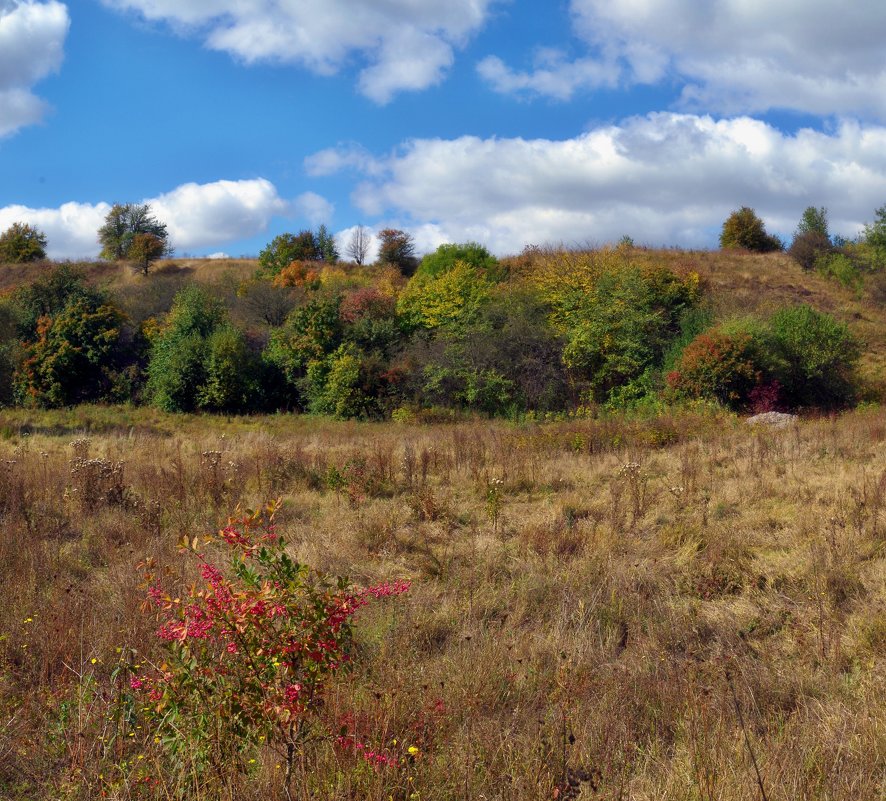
578	648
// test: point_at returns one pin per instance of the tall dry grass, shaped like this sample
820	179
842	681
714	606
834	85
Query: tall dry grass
645	610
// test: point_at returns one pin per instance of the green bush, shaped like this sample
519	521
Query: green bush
50	294
444	258
309	334
842	268
287	248
177	369
231	373
624	325
744	229
347	383
451	301
818	356
21	243
72	357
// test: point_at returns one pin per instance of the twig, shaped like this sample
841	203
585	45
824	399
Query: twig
747	738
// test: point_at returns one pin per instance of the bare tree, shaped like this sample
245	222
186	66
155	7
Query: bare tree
358	246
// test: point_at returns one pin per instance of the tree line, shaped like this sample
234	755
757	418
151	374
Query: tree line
544	332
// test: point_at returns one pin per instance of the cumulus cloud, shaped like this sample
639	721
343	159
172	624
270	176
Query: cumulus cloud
731	56
32	37
70	229
202	215
197	216
316	208
664	178
399	44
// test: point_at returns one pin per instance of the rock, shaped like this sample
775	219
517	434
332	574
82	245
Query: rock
773	419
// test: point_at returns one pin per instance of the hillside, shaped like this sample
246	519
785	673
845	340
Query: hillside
546	332
597	609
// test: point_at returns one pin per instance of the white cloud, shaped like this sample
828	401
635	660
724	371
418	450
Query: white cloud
70	229
316	208
32	37
203	215
197	215
399	44
662	179
335	159
734	56
553	75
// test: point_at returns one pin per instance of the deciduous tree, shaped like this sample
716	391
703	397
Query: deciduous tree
744	229
22	243
398	248
132	232
358	245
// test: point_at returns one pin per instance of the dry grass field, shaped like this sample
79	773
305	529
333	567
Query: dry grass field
684	608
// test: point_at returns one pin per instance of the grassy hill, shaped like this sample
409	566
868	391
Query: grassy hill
598	609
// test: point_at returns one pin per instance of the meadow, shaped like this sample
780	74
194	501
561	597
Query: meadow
675	607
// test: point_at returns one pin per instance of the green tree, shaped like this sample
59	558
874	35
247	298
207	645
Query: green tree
286	248
326	245
444	258
310	333
744	229
818	355
230	372
622	324
451	300
397	248
874	240
177	370
70	360
21	243
50	294
814	220
122	236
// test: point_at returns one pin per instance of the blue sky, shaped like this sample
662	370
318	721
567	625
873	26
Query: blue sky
503	121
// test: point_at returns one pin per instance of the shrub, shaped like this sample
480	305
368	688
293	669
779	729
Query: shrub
444	258
230	382
299	274
177	369
623	325
744	229
842	268
287	248
819	356
248	654
50	294
719	366
348	383
21	243
309	334
71	360
875	232
451	301
809	247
